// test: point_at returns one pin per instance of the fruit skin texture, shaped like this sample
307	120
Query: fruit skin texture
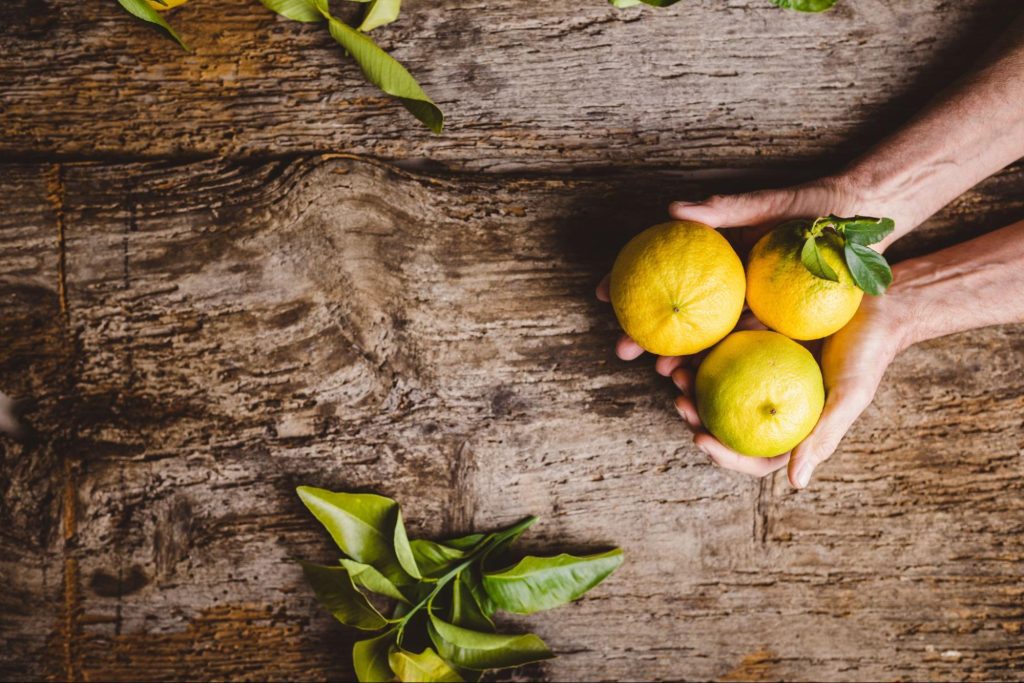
787	297
749	375
677	288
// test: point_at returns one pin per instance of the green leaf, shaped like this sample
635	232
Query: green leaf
379	13
472	577
813	261
464	609
467	543
539	583
476	650
334	588
388	74
402	548
622	4
869	269
806	5
425	667
365	576
370	658
142	10
368	528
297	10
434	559
865	230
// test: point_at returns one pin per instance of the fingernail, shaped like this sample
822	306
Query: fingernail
803	475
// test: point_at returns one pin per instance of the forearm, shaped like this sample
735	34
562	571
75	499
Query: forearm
974	284
967	134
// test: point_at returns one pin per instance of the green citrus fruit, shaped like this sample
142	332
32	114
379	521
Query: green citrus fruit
787	297
677	288
759	393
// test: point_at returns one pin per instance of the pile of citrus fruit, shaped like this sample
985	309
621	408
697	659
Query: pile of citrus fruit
679	288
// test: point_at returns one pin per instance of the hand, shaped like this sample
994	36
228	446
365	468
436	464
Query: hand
853	361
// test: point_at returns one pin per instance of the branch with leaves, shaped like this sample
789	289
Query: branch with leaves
444	594
869	269
380	68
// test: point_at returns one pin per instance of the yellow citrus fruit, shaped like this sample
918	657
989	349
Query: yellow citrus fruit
677	288
168	4
759	393
787	297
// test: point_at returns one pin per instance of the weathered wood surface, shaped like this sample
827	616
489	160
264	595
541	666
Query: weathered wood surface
207	335
525	85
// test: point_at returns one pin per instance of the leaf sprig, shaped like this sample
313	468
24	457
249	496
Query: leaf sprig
444	593
869	269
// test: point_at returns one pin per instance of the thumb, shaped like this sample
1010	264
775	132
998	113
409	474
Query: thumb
842	408
735	210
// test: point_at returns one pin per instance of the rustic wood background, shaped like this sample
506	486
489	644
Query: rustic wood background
230	272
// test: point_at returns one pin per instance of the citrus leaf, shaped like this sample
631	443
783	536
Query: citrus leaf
473	580
476	650
297	10
142	10
865	230
539	583
434	559
379	13
365	526
402	548
869	269
467	542
370	658
465	610
805	5
425	667
365	576
813	261
388	74
335	591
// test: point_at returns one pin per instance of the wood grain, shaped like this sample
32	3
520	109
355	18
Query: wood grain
233	329
526	86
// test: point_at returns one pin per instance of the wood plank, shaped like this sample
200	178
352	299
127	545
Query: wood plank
241	328
525	86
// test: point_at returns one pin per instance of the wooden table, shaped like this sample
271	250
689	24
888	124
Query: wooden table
231	272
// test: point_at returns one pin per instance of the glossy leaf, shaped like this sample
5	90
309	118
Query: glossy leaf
388	74
297	10
403	550
472	578
539	583
143	10
365	526
365	576
370	658
379	13
864	230
466	543
869	269
425	667
464	610
813	261
806	5
434	559
336	592
477	650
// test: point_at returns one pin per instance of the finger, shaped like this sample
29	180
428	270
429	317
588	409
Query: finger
604	289
729	459
627	349
736	210
666	364
683	379
688	411
842	408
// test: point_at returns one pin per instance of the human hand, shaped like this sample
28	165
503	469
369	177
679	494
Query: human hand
853	361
